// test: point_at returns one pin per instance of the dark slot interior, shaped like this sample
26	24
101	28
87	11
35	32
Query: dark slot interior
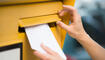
52	24
22	29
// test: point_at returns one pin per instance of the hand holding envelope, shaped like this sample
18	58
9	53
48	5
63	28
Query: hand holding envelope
42	34
51	55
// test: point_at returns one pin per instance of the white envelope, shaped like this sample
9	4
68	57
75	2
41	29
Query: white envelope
42	34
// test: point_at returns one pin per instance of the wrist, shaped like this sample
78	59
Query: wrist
83	36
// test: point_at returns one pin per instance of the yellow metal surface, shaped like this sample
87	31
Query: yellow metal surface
10	42
69	2
5	2
38	20
12	16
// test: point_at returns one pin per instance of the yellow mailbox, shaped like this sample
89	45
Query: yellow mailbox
17	14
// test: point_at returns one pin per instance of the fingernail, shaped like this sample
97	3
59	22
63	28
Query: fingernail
64	5
42	44
59	11
35	52
57	22
60	14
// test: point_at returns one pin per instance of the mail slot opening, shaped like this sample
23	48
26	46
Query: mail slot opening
22	29
53	24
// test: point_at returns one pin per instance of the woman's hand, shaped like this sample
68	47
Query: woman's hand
50	55
75	29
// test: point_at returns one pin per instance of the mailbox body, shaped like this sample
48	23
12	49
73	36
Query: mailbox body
17	14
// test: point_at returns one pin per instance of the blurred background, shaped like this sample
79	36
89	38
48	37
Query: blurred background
93	18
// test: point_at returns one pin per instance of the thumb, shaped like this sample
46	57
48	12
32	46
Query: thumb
62	25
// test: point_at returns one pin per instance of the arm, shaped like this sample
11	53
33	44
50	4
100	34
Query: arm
94	50
76	30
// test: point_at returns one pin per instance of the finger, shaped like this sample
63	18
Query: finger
69	8
48	50
62	12
62	25
66	9
40	55
73	12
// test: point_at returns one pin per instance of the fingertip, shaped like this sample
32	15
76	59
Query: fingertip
42	45
67	6
62	25
64	6
61	13
58	22
35	52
